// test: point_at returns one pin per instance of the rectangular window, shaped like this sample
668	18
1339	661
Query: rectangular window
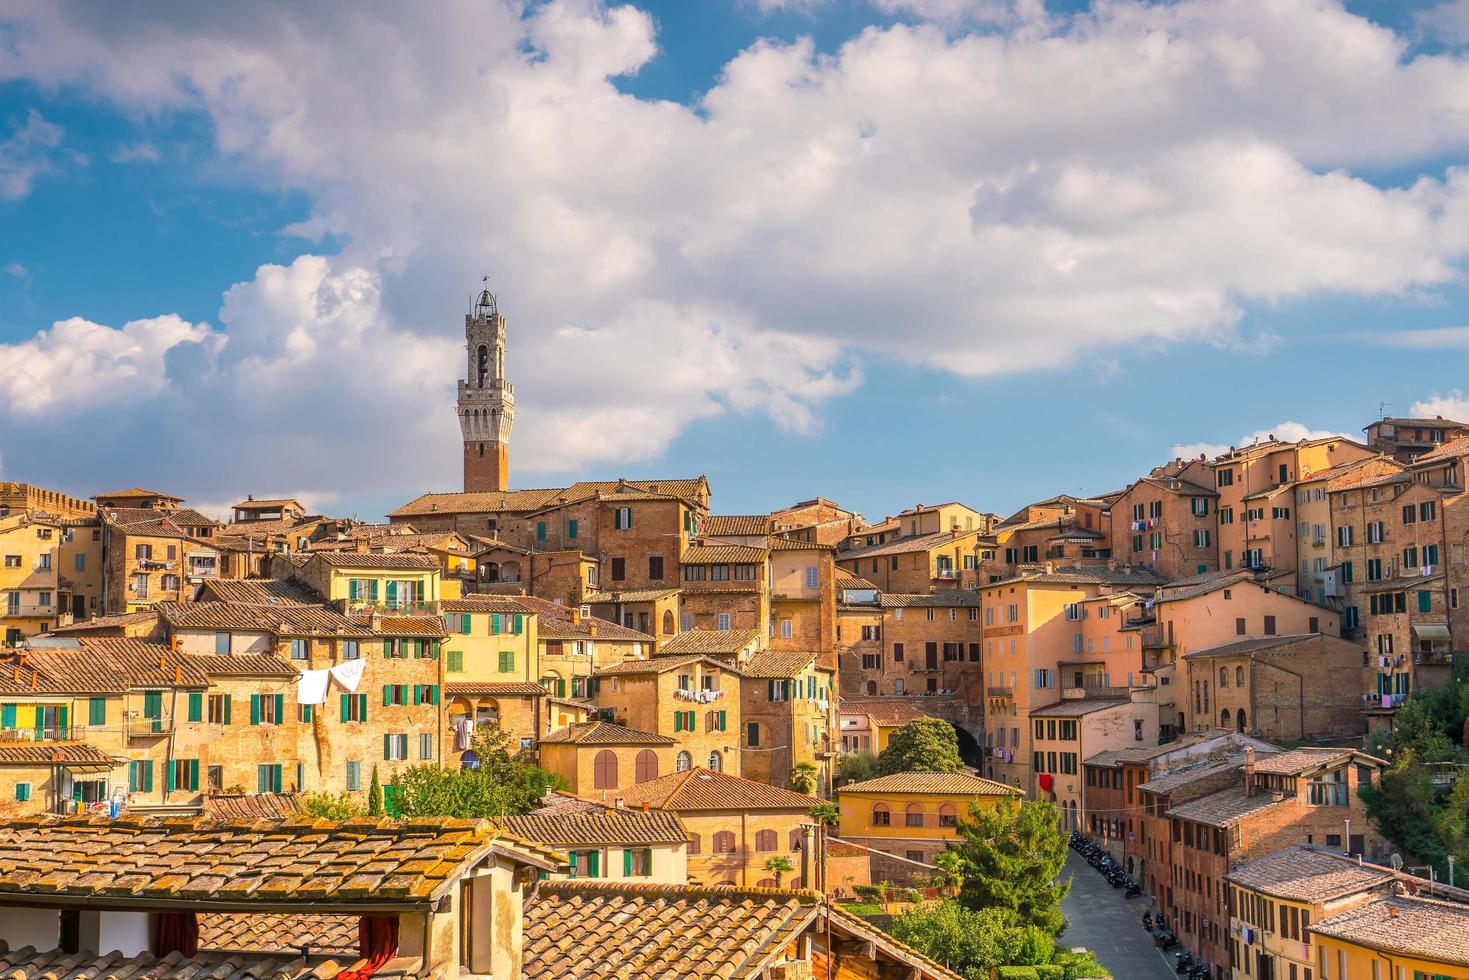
571	529
1269	625
813	577
219	709
540	530
354	776
507	661
752	734
267	779
298	649
655	567
619	569
395	747
622	518
425	746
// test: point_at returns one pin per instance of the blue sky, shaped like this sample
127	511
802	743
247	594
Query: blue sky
890	252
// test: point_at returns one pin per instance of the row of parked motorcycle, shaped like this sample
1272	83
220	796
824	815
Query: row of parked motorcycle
1163	935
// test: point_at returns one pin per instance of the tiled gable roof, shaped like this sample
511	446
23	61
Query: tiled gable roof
939	783
709	641
1421	928
283	619
113	664
736	525
944	599
376	560
1094	575
401	625
604	825
494	688
722	554
260	591
629	595
1304	873
906	545
524	501
105	622
1224	808
1078	707
1297	762
589	628
27	962
338	864
888	712
1243	648
662	665
595	930
702	789
134	492
773	664
230	806
48	753
604	733
268	932
244	665
486	604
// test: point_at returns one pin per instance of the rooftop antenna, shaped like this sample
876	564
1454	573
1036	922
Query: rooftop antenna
1382	409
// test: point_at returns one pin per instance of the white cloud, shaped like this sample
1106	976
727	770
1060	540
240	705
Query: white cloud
1451	405
1432	338
17	270
1284	432
1019	198
1449	22
27	153
143	151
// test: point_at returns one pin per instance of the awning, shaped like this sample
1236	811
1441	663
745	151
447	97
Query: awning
86	767
1431	631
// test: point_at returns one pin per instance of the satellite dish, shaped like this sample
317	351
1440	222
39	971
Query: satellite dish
1396	860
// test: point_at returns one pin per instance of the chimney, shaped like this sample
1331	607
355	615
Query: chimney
1050	567
178	674
575	615
645	806
1249	771
359	545
808	860
620	803
1111	564
591	629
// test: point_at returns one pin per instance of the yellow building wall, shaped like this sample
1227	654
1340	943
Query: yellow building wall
856	814
1359	960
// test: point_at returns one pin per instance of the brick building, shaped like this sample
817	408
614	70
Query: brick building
1167	524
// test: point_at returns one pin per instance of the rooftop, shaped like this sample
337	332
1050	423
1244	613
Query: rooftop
943	599
280	618
639	930
1224	808
736	525
1243	648
602	825
702	789
1419	927
709	641
1078	707
29	964
937	783
699	553
771	664
1308	874
604	733
396	561
885	711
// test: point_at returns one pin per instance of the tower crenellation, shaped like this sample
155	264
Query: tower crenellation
486	402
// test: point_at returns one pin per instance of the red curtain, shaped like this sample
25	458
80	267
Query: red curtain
377	942
177	932
1045	782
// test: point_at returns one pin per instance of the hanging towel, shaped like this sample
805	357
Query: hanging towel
348	673
461	734
311	686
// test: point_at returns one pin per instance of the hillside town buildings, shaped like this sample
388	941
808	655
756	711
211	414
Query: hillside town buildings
1187	666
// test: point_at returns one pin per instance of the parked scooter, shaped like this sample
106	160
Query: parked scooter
1182	960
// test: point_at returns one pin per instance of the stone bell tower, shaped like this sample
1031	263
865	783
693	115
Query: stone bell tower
486	399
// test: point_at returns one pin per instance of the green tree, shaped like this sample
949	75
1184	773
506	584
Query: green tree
505	783
803	778
970	942
922	745
826	814
330	806
1010	857
375	796
856	767
779	866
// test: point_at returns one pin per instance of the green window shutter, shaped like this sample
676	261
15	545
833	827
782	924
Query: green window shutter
1424	600
721	720
507	661
387	694
387	746
97	711
61	714
346	707
132	777
254	709
152	704
594	862
433	690
22	792
168	768
194	774
627	863
455	664
228	702
196	706
571	529
438	648
519	623
678	721
417	693
7	716
540	530
786	689
495	622
362	707
352	589
561	687
572	856
392	591
372	590
280	709
770	690
466	624
148	776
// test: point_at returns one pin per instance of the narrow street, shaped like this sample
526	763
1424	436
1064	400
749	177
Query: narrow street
1100	919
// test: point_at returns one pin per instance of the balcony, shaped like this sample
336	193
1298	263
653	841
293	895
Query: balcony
1069	692
140	727
1001	692
44	733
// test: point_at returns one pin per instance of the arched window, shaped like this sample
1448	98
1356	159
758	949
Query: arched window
716	762
1239	677
604	770
1224	718
1240	720
1223	676
683	763
765	840
765	883
668	626
483	369
724	842
696	843
913	815
872	687
881	815
948	815
796	839
647	766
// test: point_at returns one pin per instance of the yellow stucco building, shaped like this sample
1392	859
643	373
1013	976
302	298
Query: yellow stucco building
1395	937
914	814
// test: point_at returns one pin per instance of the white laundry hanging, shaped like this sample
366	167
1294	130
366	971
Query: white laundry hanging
311	686
348	673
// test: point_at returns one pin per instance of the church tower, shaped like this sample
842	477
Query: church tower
486	399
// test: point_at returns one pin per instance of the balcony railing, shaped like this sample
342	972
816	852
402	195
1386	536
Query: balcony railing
43	733
141	727
1001	692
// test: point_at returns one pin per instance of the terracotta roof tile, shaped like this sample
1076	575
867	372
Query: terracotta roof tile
338	864
888	712
709	641
961	783
945	599
399	561
54	964
97	664
485	604
661	665
390	624
630	595
772	664
701	789
266	932
494	688
244	665
604	825
907	544
1422	928
565	629
260	591
1224	808
699	553
1308	874
282	619
47	753
736	525
105	622
229	806
1077	707
604	733
659	930
1296	762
